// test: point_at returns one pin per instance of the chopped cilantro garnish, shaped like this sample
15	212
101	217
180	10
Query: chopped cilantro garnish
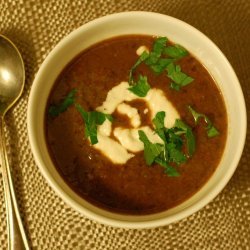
154	59
196	115
91	120
151	150
155	54
170	151
171	171
142	58
179	78
158	121
55	110
189	136
176	51
175	154
168	169
211	129
159	45
161	58
161	65
141	88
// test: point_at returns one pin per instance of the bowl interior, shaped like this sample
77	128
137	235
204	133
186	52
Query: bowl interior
151	24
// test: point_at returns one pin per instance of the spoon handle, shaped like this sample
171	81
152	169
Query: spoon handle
17	239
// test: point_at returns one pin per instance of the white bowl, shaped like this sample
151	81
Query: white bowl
151	24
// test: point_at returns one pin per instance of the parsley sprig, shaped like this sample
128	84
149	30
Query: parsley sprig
176	51
151	150
211	129
141	59
91	120
55	110
179	78
141	88
162	58
170	153
155	60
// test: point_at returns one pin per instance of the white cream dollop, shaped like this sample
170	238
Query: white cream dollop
127	139
112	149
141	49
131	112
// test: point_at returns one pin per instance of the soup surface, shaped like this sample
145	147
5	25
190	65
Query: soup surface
133	187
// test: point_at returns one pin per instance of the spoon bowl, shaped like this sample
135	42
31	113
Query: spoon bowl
12	78
12	74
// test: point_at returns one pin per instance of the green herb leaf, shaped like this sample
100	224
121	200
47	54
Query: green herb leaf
171	171
156	52
91	120
173	135
176	51
171	68
109	117
171	151
175	155
181	125
191	145
142	58
151	150
158	120
180	79
55	110
212	132
154	60
160	65
159	45
211	129
141	88
175	86
195	114
168	169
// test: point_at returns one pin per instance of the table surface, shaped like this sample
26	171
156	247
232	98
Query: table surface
36	26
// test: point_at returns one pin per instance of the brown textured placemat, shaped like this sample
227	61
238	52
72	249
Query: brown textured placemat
36	26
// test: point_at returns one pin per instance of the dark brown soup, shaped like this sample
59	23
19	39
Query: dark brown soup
134	187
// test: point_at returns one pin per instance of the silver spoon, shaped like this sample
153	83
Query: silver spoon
12	77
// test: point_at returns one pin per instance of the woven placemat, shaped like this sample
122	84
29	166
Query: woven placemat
36	26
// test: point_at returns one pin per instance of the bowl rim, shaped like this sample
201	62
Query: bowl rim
114	222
